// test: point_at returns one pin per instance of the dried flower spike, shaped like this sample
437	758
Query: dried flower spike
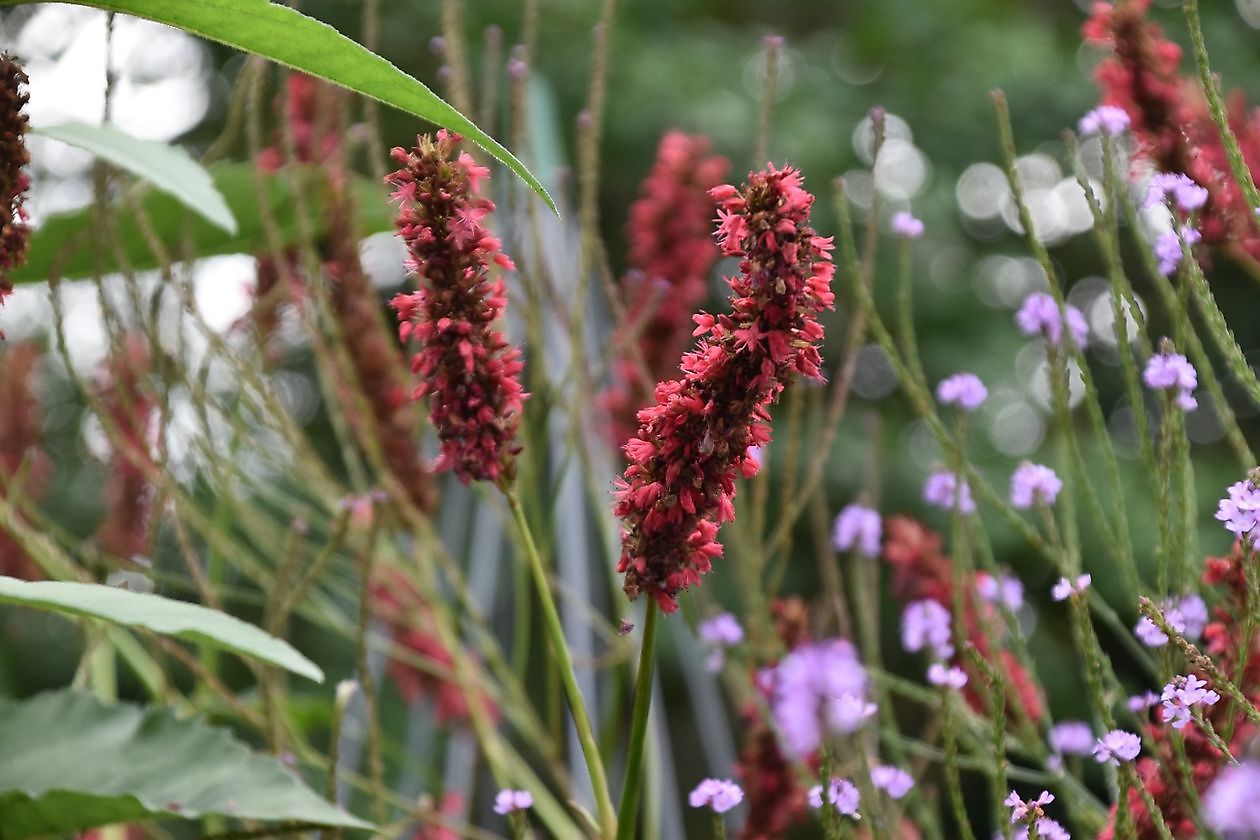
691	445
13	179
466	367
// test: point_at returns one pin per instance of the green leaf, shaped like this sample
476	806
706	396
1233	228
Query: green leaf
61	243
160	615
69	762
289	37
169	168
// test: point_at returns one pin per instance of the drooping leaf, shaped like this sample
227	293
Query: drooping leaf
169	168
61	243
70	762
288	37
160	615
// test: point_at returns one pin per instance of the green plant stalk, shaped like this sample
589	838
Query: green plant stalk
1218	327
627	812
555	632
952	778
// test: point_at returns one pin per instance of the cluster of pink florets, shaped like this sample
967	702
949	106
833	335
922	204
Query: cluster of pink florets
466	367
680	484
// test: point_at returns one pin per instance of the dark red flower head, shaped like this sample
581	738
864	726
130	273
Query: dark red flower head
466	367
680	484
14	181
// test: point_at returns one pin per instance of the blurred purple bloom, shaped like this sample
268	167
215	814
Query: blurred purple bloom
1188	616
952	677
1105	119
892	780
841	793
1116	746
1039	315
1165	371
1168	247
1047	829
1072	737
1180	697
906	225
1065	588
857	526
1239	511
1229	806
1004	589
1141	702
509	801
1031	482
964	390
1185	192
926	624
719	633
806	689
942	489
719	794
847	713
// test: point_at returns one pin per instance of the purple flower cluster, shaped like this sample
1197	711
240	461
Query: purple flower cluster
1066	588
1168	370
926	624
841	794
857	526
906	225
1188	616
1140	703
1105	119
964	390
1022	809
1180	697
719	794
951	677
1187	195
1116	746
891	780
1229	806
1071	737
807	691
1240	511
1040	315
1168	247
719	633
510	801
1005	589
945	489
1031	483
1047	829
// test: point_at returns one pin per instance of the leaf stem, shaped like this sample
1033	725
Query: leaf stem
628	809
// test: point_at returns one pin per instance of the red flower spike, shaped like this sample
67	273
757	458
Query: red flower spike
466	367
680	484
14	182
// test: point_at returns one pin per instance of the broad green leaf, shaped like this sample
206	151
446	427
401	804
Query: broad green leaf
69	762
288	37
61	243
160	615
169	168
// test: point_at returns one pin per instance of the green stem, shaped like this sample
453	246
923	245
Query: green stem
628	810
577	706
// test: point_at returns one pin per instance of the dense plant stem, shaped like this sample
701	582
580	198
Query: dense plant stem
555	631
628	809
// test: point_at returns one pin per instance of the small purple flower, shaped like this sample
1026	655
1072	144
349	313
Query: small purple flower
719	633
1105	119
1165	371
1229	806
1039	315
964	390
1186	193
510	801
1188	616
892	780
1005	589
847	713
1047	829
951	677
841	793
719	794
1180	697
926	624
1032	482
1020	809
906	225
1240	511
1066	588
1072	737
857	526
805	688
1149	634
1139	703
1116	746
943	489
1168	247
